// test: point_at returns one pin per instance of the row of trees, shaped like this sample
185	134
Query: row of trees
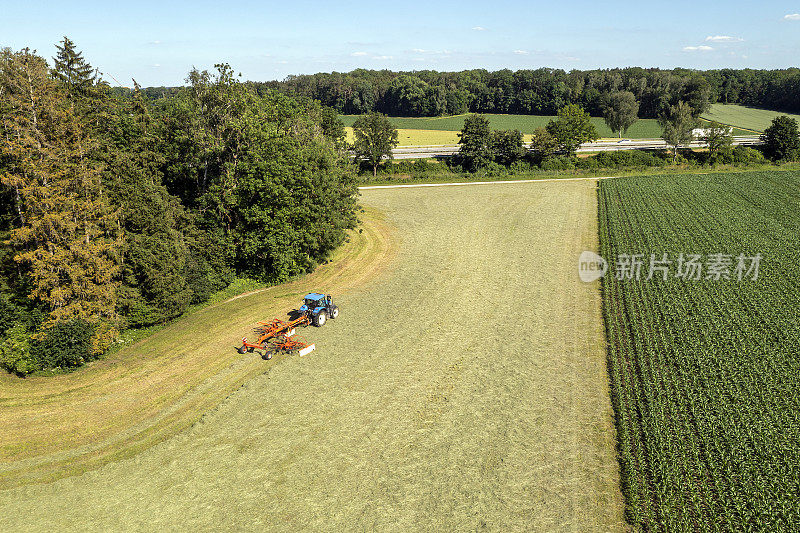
781	139
375	137
120	211
480	146
542	91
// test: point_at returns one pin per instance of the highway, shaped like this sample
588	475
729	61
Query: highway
436	151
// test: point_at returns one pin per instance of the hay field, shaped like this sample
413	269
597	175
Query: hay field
749	118
422	137
464	389
641	129
114	408
417	137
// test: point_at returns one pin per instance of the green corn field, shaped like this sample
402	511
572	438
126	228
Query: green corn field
704	371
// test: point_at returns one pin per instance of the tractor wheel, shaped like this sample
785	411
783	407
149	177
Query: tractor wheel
334	312
267	356
320	319
242	349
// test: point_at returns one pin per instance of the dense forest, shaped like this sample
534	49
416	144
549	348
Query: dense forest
539	92
119	211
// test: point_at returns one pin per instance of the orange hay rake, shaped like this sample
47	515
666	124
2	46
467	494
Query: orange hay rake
279	336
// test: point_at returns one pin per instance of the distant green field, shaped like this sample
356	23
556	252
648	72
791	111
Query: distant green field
641	129
739	116
745	121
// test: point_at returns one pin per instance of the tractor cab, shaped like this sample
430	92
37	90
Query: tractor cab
319	308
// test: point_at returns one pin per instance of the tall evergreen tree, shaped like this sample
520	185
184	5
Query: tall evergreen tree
87	94
69	237
73	70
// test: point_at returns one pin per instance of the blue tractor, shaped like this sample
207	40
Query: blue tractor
318	308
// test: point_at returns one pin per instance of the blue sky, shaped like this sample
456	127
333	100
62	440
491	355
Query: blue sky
158	42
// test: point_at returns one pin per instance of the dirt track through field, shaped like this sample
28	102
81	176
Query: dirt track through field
465	389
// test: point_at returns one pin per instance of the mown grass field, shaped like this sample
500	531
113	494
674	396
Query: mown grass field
704	372
464	389
749	118
145	393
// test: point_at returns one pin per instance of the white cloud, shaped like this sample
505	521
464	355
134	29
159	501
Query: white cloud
793	16
156	65
521	52
283	62
358	54
381	57
431	52
723	39
479	28
153	42
701	48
